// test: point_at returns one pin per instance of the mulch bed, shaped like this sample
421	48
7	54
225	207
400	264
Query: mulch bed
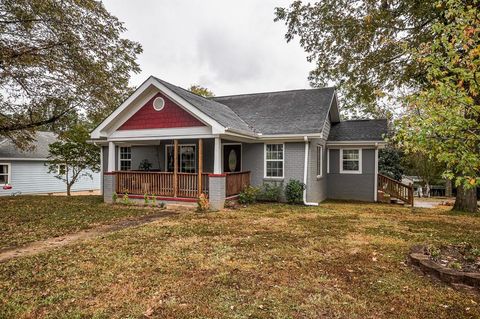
458	265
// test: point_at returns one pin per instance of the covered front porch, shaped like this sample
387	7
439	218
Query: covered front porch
175	169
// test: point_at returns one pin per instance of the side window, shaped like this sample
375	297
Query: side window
274	160
319	161
4	174
125	158
351	161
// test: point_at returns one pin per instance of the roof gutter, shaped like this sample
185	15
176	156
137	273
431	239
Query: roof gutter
305	171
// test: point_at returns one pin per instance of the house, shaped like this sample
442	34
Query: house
26	172
167	141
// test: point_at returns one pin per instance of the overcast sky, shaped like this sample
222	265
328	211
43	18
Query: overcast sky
228	46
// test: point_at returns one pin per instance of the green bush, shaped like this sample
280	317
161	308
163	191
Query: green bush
270	192
248	195
294	191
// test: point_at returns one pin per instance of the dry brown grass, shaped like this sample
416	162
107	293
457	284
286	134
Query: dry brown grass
339	260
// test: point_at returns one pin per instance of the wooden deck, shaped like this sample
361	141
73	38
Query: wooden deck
168	184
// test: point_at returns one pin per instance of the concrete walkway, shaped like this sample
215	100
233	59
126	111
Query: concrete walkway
55	242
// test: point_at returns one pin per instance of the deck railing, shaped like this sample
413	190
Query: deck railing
396	189
236	182
160	183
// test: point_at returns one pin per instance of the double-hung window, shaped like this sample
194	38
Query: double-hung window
186	158
4	174
125	158
351	161
274	160
319	161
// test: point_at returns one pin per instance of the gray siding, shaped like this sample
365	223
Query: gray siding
32	177
316	186
253	161
352	186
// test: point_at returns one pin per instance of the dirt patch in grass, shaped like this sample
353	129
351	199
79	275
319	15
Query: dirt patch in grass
25	219
338	260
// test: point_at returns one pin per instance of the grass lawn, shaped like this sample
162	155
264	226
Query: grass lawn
339	260
25	219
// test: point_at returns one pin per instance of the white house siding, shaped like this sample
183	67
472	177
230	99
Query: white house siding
32	177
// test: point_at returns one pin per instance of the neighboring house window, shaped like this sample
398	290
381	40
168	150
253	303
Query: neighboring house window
274	160
187	155
319	161
351	161
61	169
125	158
4	174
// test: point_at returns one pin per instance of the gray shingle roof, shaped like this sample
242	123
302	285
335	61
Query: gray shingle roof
217	111
358	130
39	147
286	112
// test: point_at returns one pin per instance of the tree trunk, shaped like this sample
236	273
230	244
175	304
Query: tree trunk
466	200
68	189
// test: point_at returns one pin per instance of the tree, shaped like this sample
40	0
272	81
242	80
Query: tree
390	163
362	47
59	57
200	90
428	169
443	119
72	157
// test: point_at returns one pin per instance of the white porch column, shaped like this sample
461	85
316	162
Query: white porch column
111	157
217	157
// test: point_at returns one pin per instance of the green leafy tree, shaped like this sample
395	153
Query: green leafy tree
72	157
200	90
390	163
59	58
362	47
443	119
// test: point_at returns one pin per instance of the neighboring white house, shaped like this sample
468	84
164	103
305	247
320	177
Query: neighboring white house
27	173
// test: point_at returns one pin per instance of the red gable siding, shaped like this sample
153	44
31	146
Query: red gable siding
171	116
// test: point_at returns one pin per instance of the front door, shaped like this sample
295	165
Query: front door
232	158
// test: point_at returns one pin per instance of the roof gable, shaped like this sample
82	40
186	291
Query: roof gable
169	117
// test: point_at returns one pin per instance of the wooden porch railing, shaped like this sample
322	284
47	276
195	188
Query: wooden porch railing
236	182
160	183
396	189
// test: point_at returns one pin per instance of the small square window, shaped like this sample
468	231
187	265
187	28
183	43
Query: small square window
351	161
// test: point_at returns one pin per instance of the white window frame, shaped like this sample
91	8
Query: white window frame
179	156
9	174
319	162
276	160
359	171
125	160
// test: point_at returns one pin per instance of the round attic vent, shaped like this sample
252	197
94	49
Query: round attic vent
158	104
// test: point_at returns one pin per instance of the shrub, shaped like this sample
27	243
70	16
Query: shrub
270	192
114	197
126	200
162	205
294	191
145	199
202	204
154	200
248	195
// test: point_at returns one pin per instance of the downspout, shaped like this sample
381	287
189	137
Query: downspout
305	171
